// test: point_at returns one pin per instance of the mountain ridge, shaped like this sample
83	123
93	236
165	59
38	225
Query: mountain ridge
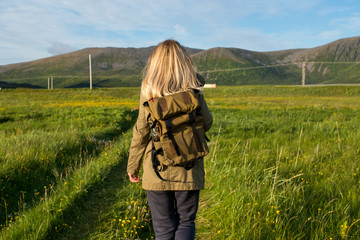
114	67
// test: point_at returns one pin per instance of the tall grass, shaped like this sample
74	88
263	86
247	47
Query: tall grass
62	171
283	165
286	171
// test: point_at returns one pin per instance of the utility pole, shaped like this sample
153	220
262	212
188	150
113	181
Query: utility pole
48	83
90	71
303	73
52	83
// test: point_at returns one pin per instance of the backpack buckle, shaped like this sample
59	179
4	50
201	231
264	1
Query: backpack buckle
155	135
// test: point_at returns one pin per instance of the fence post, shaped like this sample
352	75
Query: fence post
90	71
303	73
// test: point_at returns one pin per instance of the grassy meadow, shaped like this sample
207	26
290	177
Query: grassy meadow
284	164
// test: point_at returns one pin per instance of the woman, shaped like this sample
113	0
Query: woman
173	202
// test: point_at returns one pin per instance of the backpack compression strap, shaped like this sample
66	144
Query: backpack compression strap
171	137
155	161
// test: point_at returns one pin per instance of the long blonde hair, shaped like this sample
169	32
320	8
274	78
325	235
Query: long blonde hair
168	70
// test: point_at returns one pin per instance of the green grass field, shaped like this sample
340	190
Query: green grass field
284	164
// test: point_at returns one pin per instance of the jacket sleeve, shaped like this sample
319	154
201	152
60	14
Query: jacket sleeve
140	139
208	120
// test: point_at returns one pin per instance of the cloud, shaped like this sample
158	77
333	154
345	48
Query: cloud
180	30
332	10
349	23
60	48
33	28
249	39
331	34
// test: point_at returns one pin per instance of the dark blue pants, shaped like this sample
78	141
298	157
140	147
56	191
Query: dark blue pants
173	213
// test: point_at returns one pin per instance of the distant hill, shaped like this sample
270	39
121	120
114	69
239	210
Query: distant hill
115	67
6	85
212	62
111	67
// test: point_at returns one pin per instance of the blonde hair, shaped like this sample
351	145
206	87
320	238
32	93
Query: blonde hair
168	70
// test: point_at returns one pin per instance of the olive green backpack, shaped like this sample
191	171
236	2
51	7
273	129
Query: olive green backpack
178	135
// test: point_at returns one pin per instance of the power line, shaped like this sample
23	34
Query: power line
270	66
205	71
244	68
335	62
65	76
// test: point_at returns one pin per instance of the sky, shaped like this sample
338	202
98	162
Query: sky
34	29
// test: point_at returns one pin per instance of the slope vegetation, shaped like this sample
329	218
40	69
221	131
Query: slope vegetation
113	67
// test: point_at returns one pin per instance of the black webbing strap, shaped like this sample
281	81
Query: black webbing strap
198	111
206	138
171	136
155	161
153	124
196	136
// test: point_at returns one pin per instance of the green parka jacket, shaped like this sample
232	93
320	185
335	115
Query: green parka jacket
178	177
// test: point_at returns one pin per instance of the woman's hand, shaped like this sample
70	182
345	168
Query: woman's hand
134	178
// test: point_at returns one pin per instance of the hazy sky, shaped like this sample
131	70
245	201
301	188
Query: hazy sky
33	29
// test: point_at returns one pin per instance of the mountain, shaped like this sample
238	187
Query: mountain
339	61
343	50
249	67
114	67
330	63
111	67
